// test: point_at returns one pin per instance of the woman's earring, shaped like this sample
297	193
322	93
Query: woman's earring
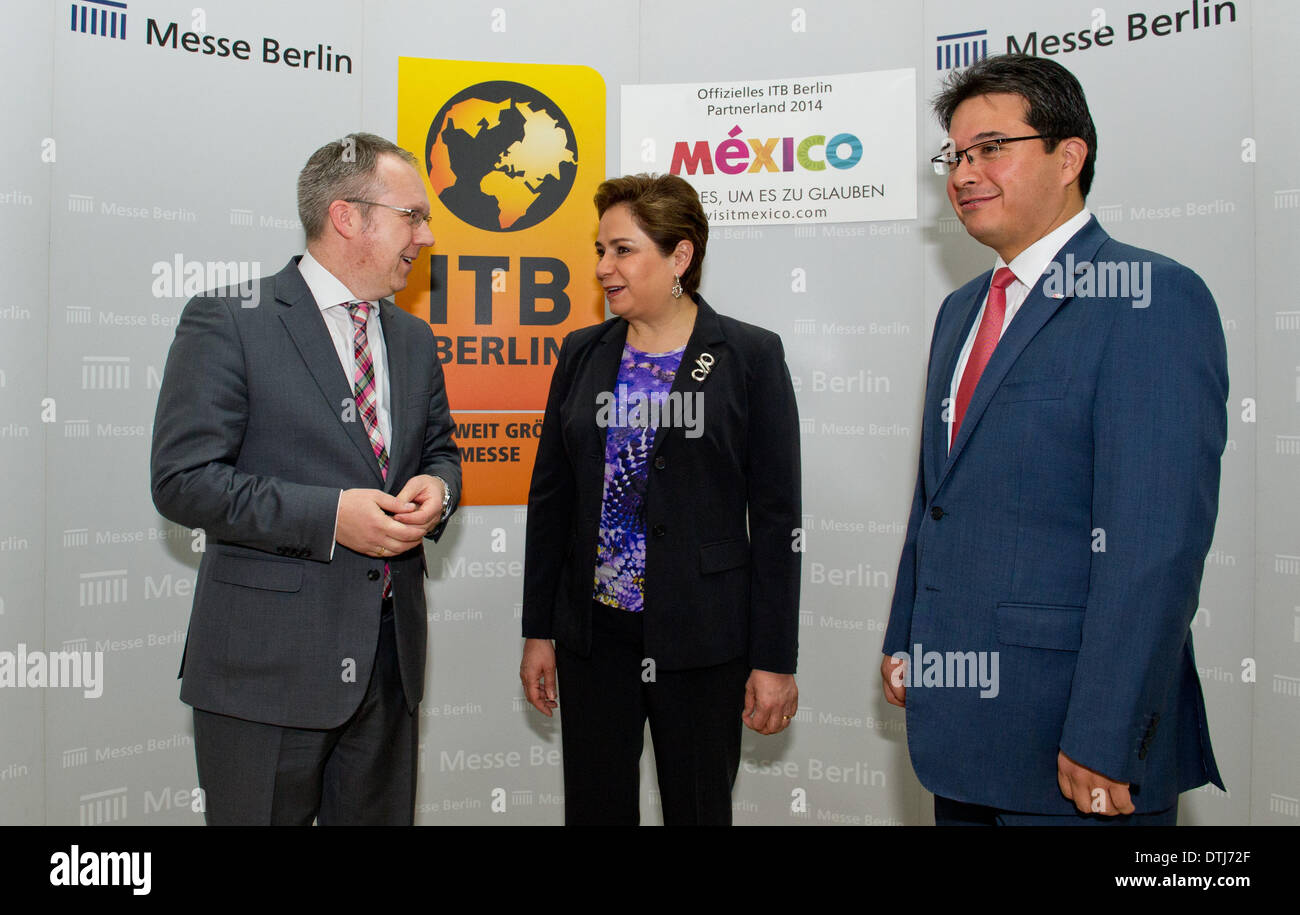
677	287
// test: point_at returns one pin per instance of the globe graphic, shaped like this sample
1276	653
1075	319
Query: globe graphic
501	156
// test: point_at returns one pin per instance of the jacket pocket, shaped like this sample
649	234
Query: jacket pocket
249	572
723	555
1044	389
1040	626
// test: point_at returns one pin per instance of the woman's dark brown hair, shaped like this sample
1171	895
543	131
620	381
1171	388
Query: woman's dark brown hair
667	209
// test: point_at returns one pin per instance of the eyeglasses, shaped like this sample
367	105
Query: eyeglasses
987	150
414	217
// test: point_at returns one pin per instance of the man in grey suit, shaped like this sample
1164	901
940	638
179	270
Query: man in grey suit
306	430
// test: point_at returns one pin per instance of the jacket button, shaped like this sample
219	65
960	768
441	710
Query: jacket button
373	575
660	463
658	530
936	513
1142	753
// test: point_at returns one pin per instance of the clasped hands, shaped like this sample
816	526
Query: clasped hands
1089	790
374	523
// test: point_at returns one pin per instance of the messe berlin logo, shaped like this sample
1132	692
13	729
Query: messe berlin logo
961	49
104	18
501	156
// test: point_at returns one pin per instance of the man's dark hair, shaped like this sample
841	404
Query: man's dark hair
1053	97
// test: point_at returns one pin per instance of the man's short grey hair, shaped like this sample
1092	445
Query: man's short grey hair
341	170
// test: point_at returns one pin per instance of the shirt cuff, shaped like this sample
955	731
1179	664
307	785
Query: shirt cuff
338	506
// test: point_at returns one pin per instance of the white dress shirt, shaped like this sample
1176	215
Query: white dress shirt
1028	267
332	298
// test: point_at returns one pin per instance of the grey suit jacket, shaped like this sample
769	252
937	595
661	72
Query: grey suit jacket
255	435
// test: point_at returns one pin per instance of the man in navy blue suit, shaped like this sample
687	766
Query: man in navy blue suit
1074	418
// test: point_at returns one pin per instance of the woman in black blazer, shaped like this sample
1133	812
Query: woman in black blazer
663	526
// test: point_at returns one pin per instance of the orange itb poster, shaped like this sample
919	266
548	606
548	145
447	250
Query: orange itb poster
511	155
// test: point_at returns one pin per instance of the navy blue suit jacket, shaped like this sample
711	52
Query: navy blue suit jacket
1066	532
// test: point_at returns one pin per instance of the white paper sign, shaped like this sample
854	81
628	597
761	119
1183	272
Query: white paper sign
779	152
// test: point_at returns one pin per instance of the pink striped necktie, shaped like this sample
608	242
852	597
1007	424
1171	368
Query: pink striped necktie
986	340
363	389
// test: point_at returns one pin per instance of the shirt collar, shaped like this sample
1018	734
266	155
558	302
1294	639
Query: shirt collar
326	288
1030	263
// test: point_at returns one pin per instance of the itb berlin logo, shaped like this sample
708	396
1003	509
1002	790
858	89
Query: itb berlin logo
501	156
104	18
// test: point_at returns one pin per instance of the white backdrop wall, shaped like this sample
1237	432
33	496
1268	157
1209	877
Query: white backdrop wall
120	154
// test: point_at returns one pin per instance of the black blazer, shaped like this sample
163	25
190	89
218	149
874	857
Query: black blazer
716	588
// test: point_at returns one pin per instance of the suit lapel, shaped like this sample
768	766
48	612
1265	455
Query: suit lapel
949	350
399	384
699	362
1036	311
306	327
601	377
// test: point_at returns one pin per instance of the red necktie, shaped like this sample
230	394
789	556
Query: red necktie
986	339
363	387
